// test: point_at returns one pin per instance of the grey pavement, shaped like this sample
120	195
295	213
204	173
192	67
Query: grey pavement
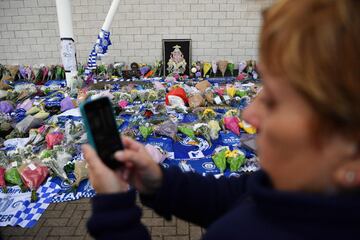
67	221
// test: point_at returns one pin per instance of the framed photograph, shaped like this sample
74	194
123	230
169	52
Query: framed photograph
176	56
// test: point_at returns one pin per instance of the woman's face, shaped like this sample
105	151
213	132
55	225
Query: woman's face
286	141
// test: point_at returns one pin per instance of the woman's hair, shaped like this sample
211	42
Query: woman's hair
315	45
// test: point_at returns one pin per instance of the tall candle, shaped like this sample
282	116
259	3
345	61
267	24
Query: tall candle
110	16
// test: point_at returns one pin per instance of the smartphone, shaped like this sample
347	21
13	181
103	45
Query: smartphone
101	128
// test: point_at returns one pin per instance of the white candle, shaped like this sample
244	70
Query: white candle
110	16
63	8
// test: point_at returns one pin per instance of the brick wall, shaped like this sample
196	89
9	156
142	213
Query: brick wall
219	29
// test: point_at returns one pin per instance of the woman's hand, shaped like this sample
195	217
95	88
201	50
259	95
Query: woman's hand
103	179
140	170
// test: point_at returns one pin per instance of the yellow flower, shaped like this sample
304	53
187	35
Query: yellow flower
227	153
247	127
209	111
231	91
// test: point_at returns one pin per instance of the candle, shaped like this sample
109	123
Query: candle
110	16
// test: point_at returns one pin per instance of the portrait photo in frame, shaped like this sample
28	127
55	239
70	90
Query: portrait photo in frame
176	56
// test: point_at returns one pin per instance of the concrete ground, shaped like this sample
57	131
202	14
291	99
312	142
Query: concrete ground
67	221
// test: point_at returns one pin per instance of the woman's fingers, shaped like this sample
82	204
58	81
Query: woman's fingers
91	157
129	143
132	158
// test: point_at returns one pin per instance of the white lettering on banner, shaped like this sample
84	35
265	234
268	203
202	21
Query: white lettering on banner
10	205
67	196
5	218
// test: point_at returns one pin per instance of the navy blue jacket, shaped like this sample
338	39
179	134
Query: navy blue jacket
230	208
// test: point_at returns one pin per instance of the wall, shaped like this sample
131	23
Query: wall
219	29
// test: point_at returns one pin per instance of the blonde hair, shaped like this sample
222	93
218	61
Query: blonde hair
315	45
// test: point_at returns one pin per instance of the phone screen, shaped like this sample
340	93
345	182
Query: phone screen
103	129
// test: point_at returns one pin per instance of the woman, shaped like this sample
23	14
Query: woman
308	117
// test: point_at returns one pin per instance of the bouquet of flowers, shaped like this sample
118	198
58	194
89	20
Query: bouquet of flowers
33	175
203	129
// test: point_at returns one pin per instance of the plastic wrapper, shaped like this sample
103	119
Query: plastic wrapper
189	132
130	132
223	66
178	92
232	113
53	139
196	100
82	95
18	115
214	67
232	124
160	108
241	77
231	91
81	172
33	175
33	110
247	127
123	103
57	164
149	74
202	86
235	159
158	86
214	129
42	115
145	131
15	134
5	126
230	68
134	93
203	129
144	70
219	159
4	160
209	95
206	68
66	104
26	105
12	176
46	153
2	180
242	66
168	129
157	154
152	96
207	115
143	95
27	123
3	94
6	107
240	93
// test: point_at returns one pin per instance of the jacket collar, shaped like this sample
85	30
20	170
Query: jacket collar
335	207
